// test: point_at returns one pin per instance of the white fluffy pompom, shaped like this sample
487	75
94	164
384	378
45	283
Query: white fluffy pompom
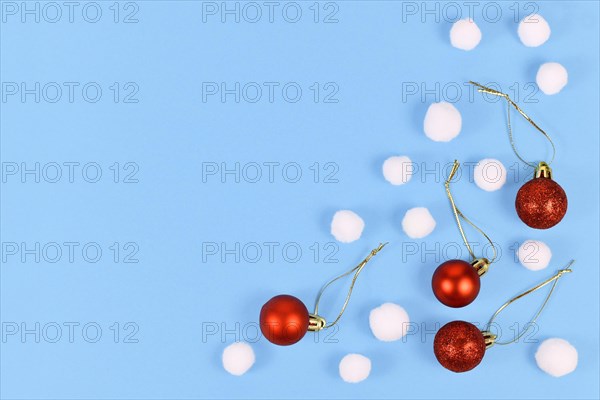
418	223
534	30
551	78
355	368
397	170
346	226
489	174
442	122
534	255
238	358
389	322
556	357
465	34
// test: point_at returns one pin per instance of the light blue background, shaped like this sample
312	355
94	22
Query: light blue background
170	212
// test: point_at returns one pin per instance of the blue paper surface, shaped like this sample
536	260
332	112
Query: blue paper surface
167	167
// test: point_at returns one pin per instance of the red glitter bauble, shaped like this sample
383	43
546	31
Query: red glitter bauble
284	320
541	203
459	346
455	283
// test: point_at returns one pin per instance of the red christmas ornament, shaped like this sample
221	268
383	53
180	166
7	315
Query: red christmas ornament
456	283
459	346
541	203
284	320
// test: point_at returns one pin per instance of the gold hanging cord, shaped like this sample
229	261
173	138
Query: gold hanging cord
484	89
356	270
554	279
458	214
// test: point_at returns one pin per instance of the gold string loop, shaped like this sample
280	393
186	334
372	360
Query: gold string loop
554	279
458	215
484	89
356	270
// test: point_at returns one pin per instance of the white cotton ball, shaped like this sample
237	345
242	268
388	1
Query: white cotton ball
442	122
398	170
389	322
418	223
355	368
238	358
489	174
552	78
346	226
465	34
534	255
534	30
556	357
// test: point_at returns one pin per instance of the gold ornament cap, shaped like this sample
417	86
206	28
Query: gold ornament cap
481	265
543	170
489	338
316	323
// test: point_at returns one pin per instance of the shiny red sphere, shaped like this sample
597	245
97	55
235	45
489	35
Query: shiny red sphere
284	320
459	346
541	203
455	283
